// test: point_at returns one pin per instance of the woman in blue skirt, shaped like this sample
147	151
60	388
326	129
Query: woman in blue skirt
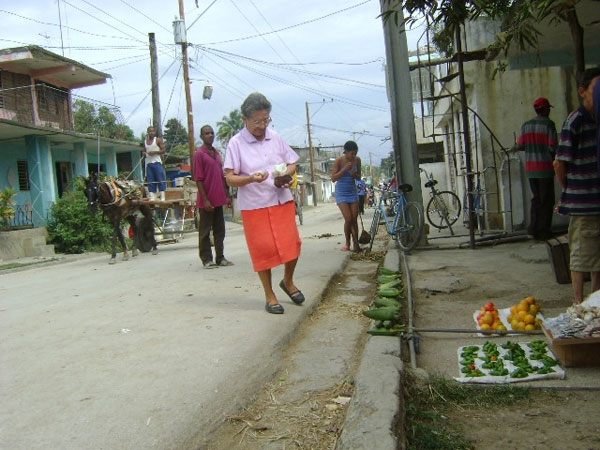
346	170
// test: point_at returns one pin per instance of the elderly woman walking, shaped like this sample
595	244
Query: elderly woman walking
261	164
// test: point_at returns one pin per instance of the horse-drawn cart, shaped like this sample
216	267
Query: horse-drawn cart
176	215
122	200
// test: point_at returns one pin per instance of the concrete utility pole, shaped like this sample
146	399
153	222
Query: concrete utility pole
156	119
188	95
403	122
312	158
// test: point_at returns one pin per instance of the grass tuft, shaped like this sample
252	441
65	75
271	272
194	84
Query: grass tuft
427	428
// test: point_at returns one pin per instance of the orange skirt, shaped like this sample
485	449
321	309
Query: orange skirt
272	235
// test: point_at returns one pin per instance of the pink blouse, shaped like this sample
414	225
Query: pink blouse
246	155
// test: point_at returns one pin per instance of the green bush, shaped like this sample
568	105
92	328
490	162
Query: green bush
74	229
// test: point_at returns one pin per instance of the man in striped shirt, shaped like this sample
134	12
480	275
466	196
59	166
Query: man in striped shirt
577	172
538	140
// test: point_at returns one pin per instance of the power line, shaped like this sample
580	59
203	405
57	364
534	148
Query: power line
147	17
65	27
201	14
308	89
277	66
306	22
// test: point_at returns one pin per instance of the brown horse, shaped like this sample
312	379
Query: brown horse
117	203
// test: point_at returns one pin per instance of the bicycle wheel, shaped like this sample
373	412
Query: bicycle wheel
374	227
410	226
443	210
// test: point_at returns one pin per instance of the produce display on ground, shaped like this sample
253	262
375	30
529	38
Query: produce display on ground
386	311
524	316
579	321
507	363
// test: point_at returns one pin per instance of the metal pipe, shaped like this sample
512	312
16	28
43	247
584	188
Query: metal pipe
472	331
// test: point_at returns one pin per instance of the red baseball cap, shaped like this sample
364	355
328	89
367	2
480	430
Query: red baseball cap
542	103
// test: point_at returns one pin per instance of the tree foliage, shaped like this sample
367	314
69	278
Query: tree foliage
175	133
88	119
519	20
229	126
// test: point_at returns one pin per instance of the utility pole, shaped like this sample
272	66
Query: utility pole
186	82
156	120
312	158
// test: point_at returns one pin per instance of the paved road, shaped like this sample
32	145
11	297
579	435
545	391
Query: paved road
146	354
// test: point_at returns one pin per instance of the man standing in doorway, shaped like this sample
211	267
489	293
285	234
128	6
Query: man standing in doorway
538	140
577	172
212	195
155	173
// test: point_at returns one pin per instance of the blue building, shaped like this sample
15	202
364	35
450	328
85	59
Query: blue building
40	151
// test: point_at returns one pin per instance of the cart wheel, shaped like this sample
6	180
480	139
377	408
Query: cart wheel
144	244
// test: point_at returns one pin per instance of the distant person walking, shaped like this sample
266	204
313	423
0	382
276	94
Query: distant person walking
212	195
361	190
265	200
538	140
346	170
155	173
576	167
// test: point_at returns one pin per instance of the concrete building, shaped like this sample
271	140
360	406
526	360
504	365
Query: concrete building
499	102
40	153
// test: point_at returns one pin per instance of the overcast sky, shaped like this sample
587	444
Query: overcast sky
328	53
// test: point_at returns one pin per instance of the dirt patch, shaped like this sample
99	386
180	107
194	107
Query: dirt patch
547	420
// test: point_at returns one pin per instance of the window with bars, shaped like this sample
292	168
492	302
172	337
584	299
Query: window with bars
23	172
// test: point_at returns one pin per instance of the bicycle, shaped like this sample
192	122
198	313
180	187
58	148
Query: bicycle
478	202
407	225
443	209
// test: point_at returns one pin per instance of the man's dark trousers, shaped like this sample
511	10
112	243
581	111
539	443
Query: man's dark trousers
542	207
211	220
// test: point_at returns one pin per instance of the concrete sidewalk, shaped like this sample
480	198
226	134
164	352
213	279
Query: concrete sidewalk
151	353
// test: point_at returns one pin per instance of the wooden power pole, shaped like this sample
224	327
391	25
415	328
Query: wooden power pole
188	95
312	158
156	119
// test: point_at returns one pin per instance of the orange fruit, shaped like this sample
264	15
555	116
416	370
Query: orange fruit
529	319
530	300
513	309
521	326
485	326
534	309
488	319
510	318
523	307
514	324
521	315
501	327
529	327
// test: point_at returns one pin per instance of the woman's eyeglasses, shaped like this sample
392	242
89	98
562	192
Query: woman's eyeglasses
264	122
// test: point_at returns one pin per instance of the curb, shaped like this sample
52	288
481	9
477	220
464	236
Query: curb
377	401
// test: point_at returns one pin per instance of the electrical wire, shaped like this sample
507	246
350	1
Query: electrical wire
201	14
65	27
146	16
310	89
306	22
284	68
